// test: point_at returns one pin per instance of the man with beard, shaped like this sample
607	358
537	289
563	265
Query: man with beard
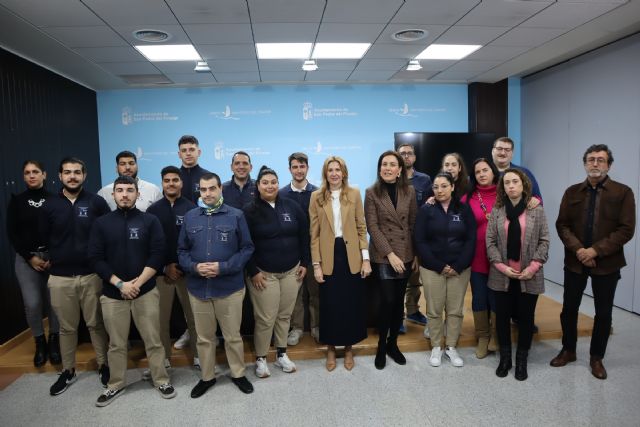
596	219
171	210
502	154
189	152
240	189
75	288
127	165
127	249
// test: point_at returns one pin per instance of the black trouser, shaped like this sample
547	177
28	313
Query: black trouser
604	289
523	306
391	307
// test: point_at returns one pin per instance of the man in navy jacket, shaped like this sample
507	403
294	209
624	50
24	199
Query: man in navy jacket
74	287
126	249
189	152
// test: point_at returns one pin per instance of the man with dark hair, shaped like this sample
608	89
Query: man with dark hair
126	249
74	287
300	190
189	152
502	154
422	184
596	219
171	210
240	189
127	165
213	248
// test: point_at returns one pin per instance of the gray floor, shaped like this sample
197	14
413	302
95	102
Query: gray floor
411	395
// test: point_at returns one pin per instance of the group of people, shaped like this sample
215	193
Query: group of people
123	253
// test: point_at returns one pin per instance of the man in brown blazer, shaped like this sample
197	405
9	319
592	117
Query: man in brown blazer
596	219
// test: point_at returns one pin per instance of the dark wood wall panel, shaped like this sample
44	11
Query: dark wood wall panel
46	117
488	107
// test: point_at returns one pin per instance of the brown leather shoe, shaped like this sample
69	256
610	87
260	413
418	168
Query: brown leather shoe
564	357
348	359
331	359
597	368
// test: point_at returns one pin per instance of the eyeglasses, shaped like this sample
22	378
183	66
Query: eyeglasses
505	149
600	160
406	154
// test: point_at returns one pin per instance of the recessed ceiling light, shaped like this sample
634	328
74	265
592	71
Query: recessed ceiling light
175	52
409	35
152	36
283	50
448	51
340	50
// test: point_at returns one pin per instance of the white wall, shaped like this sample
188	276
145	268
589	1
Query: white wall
592	99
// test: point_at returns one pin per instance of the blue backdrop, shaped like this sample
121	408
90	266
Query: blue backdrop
356	122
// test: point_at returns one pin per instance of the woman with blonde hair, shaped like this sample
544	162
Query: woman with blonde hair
340	260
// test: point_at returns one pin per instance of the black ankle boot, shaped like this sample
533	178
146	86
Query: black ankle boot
54	349
40	357
381	356
521	365
505	362
394	352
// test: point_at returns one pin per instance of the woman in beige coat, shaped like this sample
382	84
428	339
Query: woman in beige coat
517	246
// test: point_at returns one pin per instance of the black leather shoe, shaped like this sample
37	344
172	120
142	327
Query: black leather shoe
381	357
202	387
394	352
521	365
597	368
40	356
243	384
505	362
54	349
564	357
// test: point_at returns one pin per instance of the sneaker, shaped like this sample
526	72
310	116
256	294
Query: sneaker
183	341
285	363
146	374
262	370
436	357
202	387
452	354
108	396
315	333
196	363
403	329
243	384
167	391
104	374
418	318
65	379
294	337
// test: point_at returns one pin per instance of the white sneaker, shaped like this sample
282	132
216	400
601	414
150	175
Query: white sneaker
146	374
262	370
315	333
436	357
196	363
285	363
452	354
294	337
183	341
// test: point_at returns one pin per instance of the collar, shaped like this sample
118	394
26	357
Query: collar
297	190
587	186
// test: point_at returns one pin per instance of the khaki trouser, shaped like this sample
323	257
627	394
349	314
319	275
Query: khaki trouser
69	297
167	291
444	293
272	307
297	317
207	313
146	315
412	294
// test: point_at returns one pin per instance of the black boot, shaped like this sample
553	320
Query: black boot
40	357
381	355
54	349
394	352
505	362
521	365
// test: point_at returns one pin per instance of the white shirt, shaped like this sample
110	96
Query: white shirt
148	194
337	218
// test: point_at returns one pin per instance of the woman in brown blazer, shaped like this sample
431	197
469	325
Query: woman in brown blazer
390	209
340	260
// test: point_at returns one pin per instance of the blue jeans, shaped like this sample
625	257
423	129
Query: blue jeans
482	298
35	295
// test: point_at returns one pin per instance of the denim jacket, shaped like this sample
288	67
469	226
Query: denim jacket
223	237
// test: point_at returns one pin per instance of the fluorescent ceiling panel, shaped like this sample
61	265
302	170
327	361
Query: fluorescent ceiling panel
448	51
283	50
340	50
176	52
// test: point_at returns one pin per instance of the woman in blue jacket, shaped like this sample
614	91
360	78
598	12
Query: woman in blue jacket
280	232
445	238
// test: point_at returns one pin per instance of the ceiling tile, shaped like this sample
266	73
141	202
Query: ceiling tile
420	75
568	15
248	77
497	53
502	13
53	13
286	10
477	66
132	12
456	76
175	67
470	35
327	76
381	64
97	36
433	11
361	11
433	32
280	65
282	76
371	76
186	78
210	12
285	33
233	65
436	64
393	51
337	64
227	51
129	67
110	54
219	33
529	37
349	33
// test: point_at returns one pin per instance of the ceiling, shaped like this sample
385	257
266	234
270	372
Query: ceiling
91	41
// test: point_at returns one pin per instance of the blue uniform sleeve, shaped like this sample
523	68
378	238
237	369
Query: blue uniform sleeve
184	251
97	252
422	238
468	250
238	260
156	245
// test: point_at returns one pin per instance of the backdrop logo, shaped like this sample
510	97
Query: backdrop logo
407	111
309	112
129	117
218	151
229	114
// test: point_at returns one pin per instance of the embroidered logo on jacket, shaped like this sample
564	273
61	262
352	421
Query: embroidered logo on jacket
133	233
83	212
179	219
